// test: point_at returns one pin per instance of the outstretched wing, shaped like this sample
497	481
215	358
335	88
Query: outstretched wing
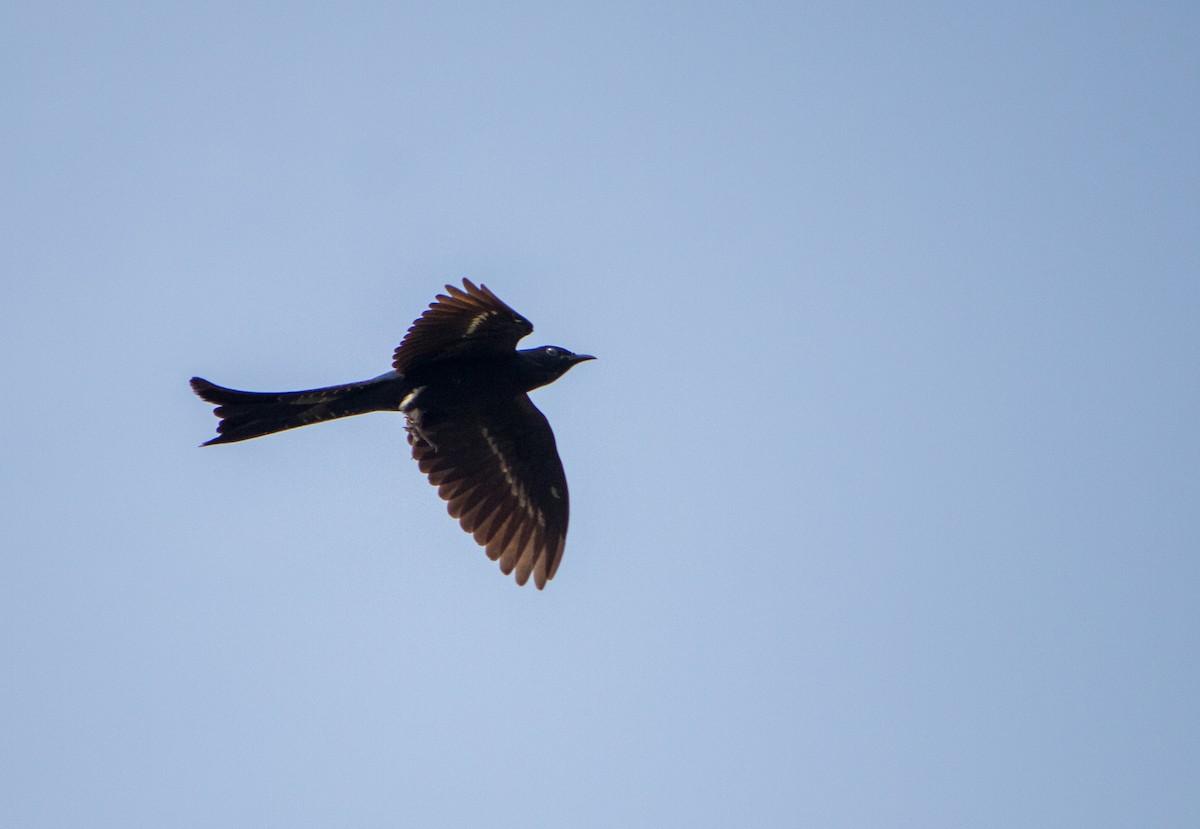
470	319
503	479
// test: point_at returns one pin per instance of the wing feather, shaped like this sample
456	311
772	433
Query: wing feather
464	320
503	480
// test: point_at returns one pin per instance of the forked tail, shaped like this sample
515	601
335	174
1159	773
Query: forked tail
249	414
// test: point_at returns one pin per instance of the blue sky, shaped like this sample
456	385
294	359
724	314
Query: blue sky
885	503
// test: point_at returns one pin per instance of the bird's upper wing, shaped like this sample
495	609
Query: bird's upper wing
470	319
503	479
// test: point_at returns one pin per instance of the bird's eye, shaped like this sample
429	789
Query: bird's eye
551	351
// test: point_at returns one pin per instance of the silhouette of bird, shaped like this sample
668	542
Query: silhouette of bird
461	384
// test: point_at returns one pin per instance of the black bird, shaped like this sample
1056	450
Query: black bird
461	384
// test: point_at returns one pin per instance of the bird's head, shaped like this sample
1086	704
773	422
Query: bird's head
548	363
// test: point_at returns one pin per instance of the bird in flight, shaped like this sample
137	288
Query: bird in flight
461	384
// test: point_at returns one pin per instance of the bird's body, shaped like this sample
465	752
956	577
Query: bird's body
462	387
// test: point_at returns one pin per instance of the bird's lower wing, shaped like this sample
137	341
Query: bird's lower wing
501	475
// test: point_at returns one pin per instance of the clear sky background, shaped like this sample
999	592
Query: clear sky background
886	485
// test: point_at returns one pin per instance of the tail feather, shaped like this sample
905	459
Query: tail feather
248	414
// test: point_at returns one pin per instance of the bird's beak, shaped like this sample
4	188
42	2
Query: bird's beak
582	358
